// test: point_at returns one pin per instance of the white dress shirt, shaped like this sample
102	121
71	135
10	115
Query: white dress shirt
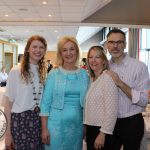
3	77
135	74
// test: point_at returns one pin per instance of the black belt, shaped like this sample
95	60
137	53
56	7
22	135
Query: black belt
131	117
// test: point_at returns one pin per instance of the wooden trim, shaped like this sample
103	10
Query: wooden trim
5	42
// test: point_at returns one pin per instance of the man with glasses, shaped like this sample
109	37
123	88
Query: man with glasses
132	78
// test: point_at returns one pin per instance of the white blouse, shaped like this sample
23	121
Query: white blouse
3	76
20	93
135	74
102	104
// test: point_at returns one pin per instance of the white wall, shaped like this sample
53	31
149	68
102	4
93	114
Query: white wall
21	47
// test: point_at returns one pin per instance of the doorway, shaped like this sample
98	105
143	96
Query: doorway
8	61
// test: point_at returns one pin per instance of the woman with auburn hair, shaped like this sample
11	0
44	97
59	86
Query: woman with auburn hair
23	93
63	100
101	101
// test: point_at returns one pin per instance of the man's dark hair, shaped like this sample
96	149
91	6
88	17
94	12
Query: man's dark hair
115	30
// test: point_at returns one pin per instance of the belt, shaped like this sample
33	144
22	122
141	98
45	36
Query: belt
131	117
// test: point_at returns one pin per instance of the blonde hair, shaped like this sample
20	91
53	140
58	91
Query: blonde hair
60	45
102	55
25	65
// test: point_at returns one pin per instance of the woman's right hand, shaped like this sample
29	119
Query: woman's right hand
9	142
45	136
99	141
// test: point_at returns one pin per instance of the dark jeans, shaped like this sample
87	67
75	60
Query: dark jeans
128	132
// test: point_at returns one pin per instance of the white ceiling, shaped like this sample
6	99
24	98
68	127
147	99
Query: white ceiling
19	19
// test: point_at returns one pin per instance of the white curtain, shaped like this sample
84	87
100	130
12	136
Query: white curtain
133	42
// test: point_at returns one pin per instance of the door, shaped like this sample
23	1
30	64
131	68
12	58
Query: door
8	61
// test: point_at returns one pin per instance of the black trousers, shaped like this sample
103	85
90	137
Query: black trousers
128	132
2	84
91	134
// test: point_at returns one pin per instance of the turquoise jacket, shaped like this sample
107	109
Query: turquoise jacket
54	89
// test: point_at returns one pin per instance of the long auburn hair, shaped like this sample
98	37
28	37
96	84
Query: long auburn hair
25	64
101	52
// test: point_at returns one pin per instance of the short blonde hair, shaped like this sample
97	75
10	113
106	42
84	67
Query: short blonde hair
61	43
101	52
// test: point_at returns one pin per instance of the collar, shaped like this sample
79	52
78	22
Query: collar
124	61
69	71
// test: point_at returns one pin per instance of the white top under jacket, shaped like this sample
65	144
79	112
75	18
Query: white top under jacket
20	93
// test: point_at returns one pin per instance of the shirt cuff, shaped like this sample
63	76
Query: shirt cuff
135	96
106	132
44	114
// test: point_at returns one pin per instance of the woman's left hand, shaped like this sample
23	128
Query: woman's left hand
99	141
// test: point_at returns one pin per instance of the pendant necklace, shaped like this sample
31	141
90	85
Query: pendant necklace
37	95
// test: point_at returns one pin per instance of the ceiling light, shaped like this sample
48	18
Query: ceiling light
6	15
44	2
49	15
56	31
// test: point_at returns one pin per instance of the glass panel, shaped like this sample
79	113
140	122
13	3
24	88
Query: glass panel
145	47
1	54
7	48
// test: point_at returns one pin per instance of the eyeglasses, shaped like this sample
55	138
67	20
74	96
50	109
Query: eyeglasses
116	42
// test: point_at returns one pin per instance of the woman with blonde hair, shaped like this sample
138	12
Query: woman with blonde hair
23	93
101	101
63	100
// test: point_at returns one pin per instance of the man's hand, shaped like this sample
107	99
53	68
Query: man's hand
149	95
115	77
120	84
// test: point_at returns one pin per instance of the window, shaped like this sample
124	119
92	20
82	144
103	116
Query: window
145	47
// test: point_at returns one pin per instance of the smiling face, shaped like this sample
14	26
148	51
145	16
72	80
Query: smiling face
116	45
96	62
36	51
69	53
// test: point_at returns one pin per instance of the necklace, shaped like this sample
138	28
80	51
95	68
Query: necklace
36	94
